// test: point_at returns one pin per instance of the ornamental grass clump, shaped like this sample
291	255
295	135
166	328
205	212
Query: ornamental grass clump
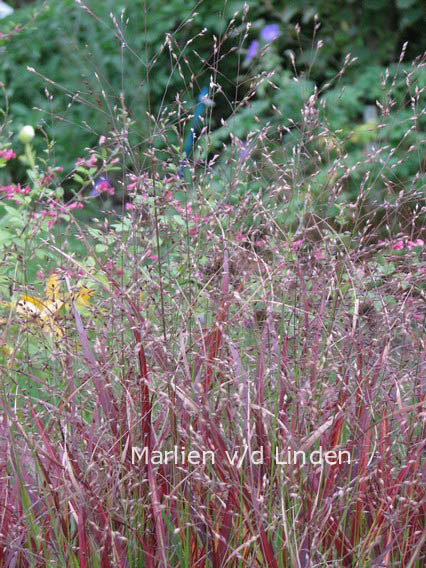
217	360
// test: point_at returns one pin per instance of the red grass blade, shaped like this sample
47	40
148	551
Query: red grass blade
83	540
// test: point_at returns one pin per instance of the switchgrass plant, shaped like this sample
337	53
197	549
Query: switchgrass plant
243	385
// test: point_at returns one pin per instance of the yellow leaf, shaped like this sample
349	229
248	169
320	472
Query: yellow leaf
83	296
5	350
43	312
28	307
31	307
52	328
52	287
6	354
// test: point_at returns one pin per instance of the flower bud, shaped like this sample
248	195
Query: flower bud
26	134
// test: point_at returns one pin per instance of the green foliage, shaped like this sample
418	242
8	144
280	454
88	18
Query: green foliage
83	55
91	70
79	60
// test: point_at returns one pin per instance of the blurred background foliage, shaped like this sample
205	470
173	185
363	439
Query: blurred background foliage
89	69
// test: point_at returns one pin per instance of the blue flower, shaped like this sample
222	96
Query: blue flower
245	151
252	50
270	32
102	184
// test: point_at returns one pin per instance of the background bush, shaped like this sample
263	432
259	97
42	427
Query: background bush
146	64
82	55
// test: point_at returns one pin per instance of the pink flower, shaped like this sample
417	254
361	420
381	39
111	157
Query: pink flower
399	245
129	206
49	175
7	154
9	190
75	205
111	266
139	182
40	275
296	244
318	255
104	185
193	230
56	209
46	179
102	140
134	184
90	163
414	244
12	190
184	210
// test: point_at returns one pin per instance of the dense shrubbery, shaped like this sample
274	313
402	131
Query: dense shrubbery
89	70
